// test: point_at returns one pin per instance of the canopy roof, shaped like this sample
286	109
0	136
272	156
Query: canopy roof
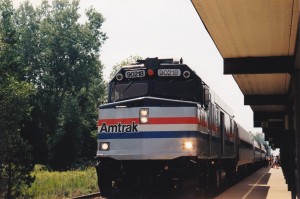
257	41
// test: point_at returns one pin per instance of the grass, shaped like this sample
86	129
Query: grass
65	184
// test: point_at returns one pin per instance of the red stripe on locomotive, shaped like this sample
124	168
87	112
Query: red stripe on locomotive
161	120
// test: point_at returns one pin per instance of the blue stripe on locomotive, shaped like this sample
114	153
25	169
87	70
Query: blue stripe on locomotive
151	134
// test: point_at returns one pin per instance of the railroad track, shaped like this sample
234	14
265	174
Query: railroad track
92	195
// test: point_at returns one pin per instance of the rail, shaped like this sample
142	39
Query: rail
92	195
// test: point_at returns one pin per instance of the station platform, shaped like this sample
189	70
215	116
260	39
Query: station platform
265	183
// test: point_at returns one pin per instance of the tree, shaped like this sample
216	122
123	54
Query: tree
116	68
61	57
15	95
15	153
260	137
51	83
16	165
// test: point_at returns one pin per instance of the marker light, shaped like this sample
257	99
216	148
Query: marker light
119	76
188	145
150	72
186	74
144	115
104	146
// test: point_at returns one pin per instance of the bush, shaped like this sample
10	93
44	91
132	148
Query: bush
66	184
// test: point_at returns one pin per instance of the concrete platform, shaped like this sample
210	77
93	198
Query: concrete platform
266	183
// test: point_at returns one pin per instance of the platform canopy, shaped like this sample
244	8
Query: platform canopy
257	40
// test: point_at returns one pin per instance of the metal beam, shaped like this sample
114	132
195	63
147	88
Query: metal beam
273	131
274	136
270	124
265	99
277	124
258	65
259	116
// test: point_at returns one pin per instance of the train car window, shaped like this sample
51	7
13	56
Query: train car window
128	90
206	96
182	90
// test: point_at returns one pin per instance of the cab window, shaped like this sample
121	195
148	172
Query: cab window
182	90
128	90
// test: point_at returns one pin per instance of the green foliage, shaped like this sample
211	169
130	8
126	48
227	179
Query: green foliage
116	68
68	131
62	184
16	161
16	165
260	137
61	57
14	103
51	84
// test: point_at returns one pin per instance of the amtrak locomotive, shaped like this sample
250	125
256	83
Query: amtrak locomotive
163	127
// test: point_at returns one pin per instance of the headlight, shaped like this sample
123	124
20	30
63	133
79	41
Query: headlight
104	146
143	120
188	145
144	115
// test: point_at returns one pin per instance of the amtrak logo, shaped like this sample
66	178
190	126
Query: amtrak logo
119	128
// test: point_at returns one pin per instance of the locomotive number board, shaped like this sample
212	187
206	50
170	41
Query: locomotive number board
169	72
135	74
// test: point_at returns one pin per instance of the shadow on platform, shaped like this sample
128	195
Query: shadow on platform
265	183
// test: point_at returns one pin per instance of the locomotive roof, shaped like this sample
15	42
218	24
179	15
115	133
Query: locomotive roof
220	103
156	63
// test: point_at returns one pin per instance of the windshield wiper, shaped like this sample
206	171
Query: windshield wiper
127	87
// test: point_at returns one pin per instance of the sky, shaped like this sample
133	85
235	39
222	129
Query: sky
165	29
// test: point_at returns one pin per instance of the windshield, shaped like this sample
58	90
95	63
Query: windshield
128	90
183	90
187	90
